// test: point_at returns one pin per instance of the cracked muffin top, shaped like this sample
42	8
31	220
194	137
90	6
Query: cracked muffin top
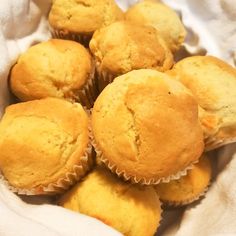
124	46
116	203
56	68
41	141
83	16
146	126
161	17
213	83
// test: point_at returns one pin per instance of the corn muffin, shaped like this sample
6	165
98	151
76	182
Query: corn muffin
213	83
146	128
131	209
188	188
160	16
78	19
123	46
56	68
44	145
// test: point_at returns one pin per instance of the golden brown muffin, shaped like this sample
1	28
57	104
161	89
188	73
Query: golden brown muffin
160	16
131	209
146	127
213	83
44	145
124	46
78	19
56	68
188	188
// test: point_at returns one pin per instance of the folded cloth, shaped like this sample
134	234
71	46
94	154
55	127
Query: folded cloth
23	23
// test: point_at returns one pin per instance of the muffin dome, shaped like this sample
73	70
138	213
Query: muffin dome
188	188
84	16
160	16
133	210
56	68
146	127
44	145
213	83
124	46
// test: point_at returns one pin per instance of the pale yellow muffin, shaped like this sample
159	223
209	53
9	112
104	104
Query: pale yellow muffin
146	127
44	145
213	83
56	68
160	16
123	46
131	209
78	19
188	188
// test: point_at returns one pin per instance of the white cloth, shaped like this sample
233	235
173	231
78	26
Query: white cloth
23	23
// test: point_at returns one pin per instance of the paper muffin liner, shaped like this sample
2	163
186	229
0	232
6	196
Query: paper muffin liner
103	77
186	202
161	212
62	34
212	143
88	94
134	179
63	183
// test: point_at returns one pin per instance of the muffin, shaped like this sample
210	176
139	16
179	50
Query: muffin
56	68
146	128
133	210
160	16
44	146
77	20
123	46
188	188
213	83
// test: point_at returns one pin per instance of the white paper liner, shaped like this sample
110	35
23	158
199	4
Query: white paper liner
212	143
81	38
103	77
88	94
135	179
62	184
188	201
161	211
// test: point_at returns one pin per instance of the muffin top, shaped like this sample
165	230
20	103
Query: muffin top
83	16
146	126
56	68
41	141
213	83
124	46
188	188
160	16
133	210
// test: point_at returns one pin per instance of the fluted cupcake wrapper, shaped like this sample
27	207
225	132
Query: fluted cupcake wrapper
135	179
212	143
188	201
62	34
88	94
78	171
103	77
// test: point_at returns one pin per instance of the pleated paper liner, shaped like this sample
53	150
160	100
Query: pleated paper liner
161	212
78	171
63	34
88	94
135	179
103	77
187	201
212	143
